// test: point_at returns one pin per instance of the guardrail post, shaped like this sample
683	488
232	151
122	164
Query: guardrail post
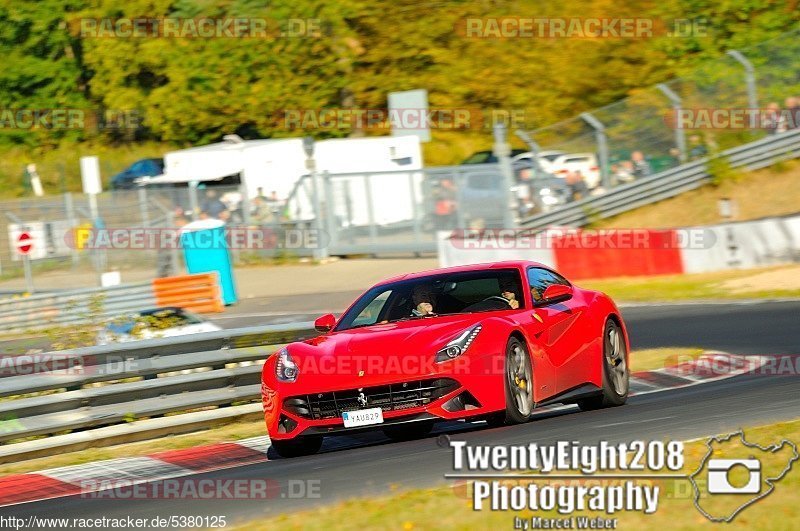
750	76
373	228
332	238
538	172
680	134
69	207
502	150
602	146
193	201
311	165
458	181
415	214
245	204
143	210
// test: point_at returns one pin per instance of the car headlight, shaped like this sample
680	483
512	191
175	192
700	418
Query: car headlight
459	345
285	368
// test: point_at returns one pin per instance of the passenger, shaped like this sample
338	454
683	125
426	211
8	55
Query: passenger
423	299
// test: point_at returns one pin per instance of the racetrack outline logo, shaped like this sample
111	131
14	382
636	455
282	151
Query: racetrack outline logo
774	448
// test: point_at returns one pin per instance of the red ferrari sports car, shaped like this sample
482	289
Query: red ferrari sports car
489	341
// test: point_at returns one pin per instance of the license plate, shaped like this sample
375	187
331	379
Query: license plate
362	417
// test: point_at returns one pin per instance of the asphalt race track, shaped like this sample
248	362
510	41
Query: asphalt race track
369	465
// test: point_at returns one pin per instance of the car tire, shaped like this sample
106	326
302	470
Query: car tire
616	373
517	386
408	432
297	447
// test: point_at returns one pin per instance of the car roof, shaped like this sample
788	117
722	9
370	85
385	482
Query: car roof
516	264
575	155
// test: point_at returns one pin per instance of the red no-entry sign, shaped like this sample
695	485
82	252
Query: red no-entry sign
24	243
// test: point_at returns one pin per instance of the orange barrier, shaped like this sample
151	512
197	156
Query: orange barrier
197	293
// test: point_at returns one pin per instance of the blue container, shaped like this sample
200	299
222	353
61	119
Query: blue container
205	249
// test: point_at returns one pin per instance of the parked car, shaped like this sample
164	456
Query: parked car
488	341
488	156
545	158
153	323
481	194
586	163
126	179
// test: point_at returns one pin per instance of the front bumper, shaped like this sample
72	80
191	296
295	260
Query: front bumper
292	411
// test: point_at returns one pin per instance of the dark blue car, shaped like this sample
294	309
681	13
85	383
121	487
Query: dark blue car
125	179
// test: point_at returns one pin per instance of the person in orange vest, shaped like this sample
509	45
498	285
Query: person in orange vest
445	204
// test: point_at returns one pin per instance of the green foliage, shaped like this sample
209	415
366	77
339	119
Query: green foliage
194	90
721	171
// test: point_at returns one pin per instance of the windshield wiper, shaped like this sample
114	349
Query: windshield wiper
414	317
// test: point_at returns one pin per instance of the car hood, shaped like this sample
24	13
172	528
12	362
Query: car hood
402	350
404	337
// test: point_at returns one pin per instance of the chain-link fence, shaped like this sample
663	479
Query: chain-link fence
735	99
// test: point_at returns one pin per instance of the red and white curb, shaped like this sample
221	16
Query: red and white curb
102	475
709	367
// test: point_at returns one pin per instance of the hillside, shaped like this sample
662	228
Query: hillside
772	191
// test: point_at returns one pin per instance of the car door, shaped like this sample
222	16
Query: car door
562	335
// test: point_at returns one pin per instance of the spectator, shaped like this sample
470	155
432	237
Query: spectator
577	185
623	172
641	168
261	211
697	149
793	117
212	206
675	157
774	120
179	217
445	204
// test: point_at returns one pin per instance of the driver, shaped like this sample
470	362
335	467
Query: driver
508	289
423	299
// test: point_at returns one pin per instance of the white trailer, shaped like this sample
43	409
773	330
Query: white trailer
279	165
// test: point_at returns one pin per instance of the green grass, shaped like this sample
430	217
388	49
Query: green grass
684	287
772	191
59	168
658	358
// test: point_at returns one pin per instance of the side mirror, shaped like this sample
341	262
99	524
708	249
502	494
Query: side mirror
325	323
556	293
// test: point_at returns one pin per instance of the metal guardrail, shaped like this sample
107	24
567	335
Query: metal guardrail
752	156
147	378
198	292
20	314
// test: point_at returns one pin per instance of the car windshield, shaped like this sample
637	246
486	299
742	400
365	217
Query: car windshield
436	295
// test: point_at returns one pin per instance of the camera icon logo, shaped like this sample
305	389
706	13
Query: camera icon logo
719	471
735	473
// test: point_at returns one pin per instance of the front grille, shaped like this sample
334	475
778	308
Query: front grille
394	397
